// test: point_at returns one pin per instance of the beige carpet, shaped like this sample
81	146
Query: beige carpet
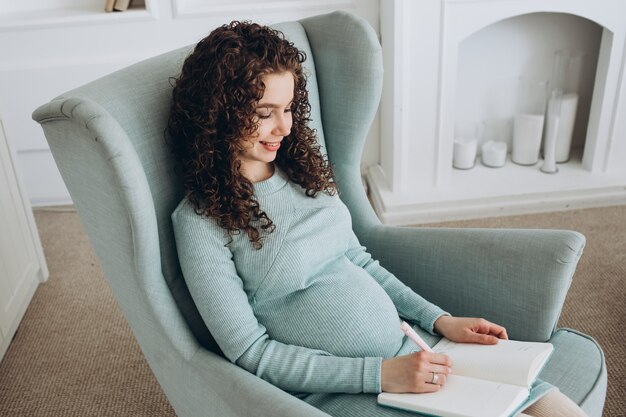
74	355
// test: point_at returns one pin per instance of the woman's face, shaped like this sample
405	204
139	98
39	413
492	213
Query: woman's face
273	114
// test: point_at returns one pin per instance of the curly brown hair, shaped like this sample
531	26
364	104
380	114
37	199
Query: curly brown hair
213	112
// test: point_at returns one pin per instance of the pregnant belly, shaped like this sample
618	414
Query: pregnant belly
345	315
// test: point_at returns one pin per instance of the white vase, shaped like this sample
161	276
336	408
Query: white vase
527	132
566	72
551	133
549	146
567	119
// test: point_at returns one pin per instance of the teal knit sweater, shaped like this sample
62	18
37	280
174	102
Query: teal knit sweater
311	311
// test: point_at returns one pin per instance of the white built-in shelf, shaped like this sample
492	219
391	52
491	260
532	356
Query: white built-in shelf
513	189
200	8
69	15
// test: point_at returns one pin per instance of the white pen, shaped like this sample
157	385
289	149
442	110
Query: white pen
408	330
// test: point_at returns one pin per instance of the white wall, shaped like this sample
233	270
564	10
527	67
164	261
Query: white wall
51	46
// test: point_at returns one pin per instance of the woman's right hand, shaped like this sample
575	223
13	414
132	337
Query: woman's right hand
414	372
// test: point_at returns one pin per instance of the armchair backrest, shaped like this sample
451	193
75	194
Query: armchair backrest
107	138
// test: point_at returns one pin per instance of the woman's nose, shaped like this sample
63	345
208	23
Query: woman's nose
283	124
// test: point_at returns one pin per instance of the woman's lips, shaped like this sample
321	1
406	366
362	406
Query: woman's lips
270	146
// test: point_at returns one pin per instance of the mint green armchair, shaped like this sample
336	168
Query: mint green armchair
107	140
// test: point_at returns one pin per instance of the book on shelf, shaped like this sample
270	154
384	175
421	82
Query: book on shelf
121	5
486	380
108	5
116	5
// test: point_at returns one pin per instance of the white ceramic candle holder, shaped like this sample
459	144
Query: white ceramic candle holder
493	154
464	154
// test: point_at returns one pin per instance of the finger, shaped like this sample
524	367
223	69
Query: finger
498	331
427	385
503	334
442	379
440	359
439	380
483	339
483	326
430	387
441	369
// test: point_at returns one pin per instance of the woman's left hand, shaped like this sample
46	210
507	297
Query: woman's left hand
470	330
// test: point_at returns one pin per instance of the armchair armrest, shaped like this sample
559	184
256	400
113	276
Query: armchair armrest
221	388
516	278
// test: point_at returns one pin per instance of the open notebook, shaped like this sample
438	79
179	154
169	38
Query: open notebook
487	380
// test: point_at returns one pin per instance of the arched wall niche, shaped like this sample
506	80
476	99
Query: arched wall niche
491	60
462	20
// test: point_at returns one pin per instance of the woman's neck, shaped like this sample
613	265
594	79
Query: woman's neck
258	172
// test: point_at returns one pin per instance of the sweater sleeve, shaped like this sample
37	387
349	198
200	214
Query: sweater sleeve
219	295
409	304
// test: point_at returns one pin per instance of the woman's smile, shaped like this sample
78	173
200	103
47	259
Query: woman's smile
270	146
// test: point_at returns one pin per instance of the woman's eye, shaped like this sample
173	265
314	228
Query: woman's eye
266	113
